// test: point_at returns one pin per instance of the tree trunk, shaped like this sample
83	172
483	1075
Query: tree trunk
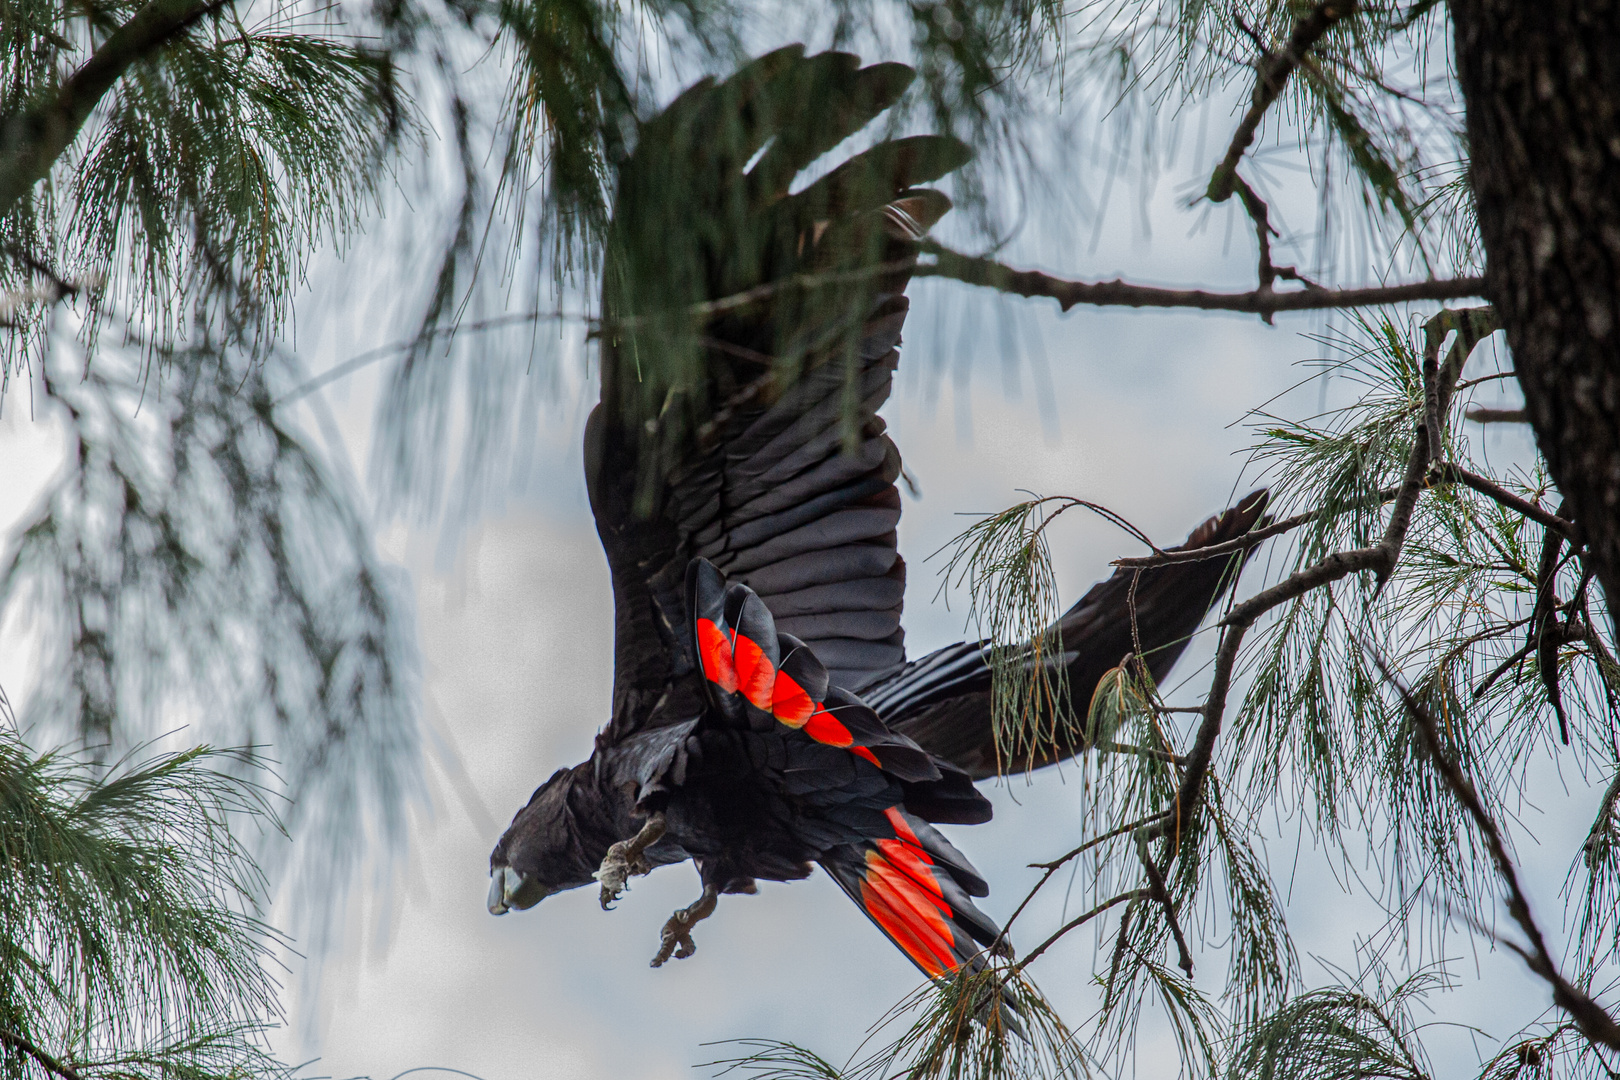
1541	80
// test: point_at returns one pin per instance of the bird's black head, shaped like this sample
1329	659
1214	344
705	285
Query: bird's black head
542	851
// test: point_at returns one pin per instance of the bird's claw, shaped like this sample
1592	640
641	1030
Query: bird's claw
675	940
620	864
627	859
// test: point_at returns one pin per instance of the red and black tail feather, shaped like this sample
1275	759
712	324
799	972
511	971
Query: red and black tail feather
915	887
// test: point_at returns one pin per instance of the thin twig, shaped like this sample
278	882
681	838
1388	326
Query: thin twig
805	282
1057	864
1466	383
1231	547
1078	921
383	352
1595	1023
1495	491
1099	839
1119	952
1143	751
1160	893
1502	669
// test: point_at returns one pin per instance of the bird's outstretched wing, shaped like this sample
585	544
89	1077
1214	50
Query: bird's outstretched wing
943	700
749	338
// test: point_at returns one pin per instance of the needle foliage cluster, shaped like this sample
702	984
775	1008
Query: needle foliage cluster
131	940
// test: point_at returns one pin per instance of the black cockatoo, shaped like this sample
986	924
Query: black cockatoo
765	719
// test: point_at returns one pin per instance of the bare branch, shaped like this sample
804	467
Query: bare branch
1500	494
1143	751
1078	921
1497	416
1161	895
991	274
1232	547
1503	668
1487	378
1101	838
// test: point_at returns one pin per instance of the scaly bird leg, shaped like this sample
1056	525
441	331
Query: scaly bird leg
677	932
626	858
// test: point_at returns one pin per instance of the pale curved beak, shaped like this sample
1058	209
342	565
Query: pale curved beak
509	889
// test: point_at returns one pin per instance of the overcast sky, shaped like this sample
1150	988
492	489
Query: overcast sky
1142	411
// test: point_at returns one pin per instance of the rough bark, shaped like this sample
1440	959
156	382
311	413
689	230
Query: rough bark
1541	82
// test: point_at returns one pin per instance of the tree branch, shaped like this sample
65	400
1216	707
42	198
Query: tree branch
1593	1020
1160	893
1264	301
1271	76
1471	325
50	1064
1077	921
1098	839
1495	491
1232	547
1482	415
32	140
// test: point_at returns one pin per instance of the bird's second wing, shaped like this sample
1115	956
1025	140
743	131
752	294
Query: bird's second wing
943	700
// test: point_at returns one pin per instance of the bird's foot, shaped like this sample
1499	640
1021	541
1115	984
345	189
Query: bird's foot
627	858
676	936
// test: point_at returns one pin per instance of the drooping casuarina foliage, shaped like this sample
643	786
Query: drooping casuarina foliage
129	918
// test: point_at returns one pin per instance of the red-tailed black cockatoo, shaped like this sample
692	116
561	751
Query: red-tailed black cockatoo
765	719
